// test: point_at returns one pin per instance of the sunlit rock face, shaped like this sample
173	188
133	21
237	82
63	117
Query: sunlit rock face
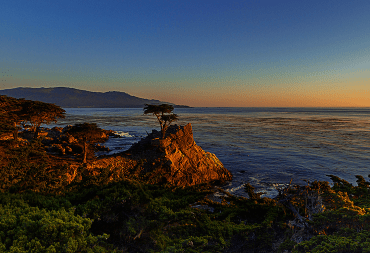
177	159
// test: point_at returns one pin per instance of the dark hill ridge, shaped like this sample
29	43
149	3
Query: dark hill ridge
74	98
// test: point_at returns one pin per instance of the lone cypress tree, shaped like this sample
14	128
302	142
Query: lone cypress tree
164	114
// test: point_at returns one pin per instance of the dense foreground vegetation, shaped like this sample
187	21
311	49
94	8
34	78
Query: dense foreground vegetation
41	212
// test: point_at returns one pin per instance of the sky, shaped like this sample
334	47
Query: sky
193	52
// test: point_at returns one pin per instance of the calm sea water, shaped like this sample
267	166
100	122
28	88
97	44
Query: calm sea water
262	146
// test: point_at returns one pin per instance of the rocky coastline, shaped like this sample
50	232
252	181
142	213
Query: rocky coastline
175	160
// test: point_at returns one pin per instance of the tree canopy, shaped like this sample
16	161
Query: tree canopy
37	113
16	112
88	134
9	114
164	114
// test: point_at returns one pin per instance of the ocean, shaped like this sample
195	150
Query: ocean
266	147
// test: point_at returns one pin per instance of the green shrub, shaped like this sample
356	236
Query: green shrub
29	169
24	228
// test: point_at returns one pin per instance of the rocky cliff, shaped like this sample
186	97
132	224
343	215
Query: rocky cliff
177	159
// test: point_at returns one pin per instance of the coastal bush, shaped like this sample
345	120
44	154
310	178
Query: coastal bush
257	222
136	215
141	217
351	242
24	228
33	199
345	224
29	168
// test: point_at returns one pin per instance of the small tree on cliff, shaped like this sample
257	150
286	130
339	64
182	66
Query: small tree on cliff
88	134
164	114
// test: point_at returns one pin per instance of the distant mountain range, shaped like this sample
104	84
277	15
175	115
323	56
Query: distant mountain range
74	98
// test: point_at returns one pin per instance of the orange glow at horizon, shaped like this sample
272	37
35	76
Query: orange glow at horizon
348	93
342	96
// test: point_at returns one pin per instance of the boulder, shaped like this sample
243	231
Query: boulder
177	159
99	147
68	139
55	132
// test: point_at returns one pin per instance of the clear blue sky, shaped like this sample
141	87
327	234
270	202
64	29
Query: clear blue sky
199	53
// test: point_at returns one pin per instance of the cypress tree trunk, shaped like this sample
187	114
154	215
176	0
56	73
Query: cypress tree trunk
85	152
15	132
164	131
36	133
